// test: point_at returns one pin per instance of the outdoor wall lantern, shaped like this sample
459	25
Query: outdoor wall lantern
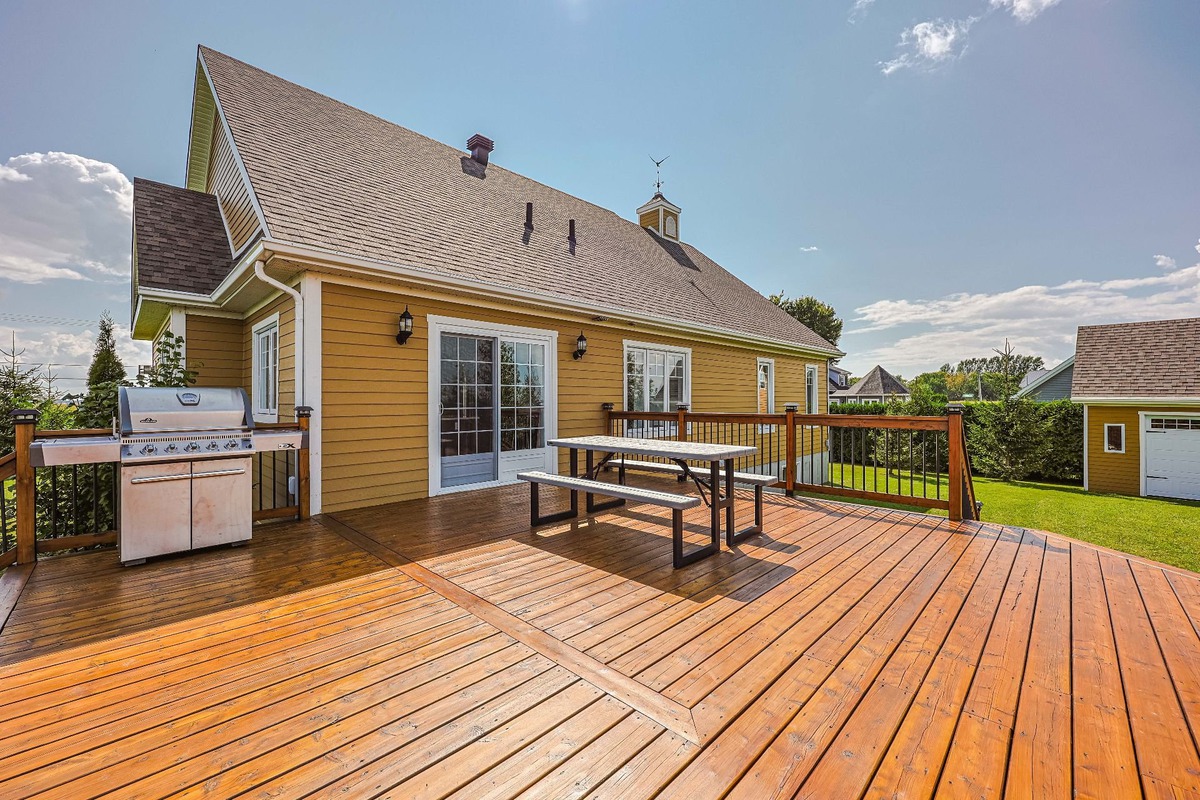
406	321
580	347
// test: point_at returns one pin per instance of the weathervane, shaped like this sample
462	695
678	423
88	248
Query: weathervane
658	162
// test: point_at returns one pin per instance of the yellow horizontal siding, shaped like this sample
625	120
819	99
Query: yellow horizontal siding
213	347
1118	473
375	392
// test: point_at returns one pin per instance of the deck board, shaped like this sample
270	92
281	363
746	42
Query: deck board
441	648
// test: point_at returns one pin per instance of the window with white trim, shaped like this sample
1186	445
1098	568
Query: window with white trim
812	396
656	378
766	386
265	388
1114	438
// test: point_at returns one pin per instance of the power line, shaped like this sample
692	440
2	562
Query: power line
40	319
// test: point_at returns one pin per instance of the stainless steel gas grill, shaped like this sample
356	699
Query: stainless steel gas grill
186	467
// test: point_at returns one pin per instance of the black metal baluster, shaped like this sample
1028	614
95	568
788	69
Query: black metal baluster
75	499
3	517
260	482
54	501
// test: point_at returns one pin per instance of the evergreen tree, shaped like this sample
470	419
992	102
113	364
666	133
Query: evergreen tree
106	364
1009	432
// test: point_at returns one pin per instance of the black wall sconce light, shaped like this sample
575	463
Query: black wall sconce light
406	325
580	347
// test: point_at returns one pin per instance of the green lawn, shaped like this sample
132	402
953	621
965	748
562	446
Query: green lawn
1160	530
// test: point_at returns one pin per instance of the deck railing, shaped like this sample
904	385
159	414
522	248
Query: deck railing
51	509
915	461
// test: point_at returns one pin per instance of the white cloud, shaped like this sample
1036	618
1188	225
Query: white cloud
860	9
930	44
1040	320
1024	10
67	353
1164	262
63	216
809	249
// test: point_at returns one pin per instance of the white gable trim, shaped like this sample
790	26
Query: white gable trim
1050	374
237	156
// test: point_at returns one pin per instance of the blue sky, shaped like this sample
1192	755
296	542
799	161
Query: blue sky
946	174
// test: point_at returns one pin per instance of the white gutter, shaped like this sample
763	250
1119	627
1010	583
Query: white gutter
298	327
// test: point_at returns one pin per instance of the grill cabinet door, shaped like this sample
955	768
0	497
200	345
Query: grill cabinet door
221	492
156	510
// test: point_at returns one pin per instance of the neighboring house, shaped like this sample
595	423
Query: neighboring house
1044	385
877	386
839	379
306	230
1139	384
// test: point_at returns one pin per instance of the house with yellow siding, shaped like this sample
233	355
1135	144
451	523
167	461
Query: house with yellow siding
1139	384
442	316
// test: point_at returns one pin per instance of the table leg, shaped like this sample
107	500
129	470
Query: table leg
714	507
574	460
728	501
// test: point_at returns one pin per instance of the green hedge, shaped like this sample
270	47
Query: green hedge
1023	440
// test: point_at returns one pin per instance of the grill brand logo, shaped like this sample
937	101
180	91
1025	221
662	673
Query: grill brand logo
148	421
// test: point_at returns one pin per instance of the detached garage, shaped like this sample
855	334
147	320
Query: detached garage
1139	384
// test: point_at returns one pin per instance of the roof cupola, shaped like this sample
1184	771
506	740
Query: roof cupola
660	214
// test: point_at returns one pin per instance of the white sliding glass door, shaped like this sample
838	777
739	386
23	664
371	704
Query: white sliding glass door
492	403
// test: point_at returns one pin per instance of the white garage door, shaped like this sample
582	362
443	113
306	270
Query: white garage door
1172	448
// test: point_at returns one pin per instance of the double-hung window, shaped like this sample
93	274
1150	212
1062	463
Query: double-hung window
265	389
657	378
812	397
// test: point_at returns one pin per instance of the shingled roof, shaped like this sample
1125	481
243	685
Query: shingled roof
876	383
179	238
1158	359
332	177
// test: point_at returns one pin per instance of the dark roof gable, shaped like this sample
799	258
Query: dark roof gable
179	238
1159	359
338	179
876	383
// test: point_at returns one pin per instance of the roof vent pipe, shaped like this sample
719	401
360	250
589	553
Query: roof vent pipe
529	216
480	147
571	231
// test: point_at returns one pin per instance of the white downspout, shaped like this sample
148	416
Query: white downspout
298	327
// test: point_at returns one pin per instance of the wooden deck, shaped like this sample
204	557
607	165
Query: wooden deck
440	648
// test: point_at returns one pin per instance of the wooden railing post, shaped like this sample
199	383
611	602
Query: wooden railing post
681	411
607	408
789	480
954	432
24	423
303	480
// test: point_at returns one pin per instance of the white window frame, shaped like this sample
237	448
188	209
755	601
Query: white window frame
770	364
686	352
1108	449
264	412
653	430
812	389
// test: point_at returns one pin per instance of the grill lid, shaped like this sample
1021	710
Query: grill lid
151	410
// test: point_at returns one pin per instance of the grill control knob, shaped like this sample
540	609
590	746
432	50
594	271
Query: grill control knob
148	449
231	445
192	447
214	446
171	448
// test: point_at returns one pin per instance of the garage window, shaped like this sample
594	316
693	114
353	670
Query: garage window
1114	438
1186	424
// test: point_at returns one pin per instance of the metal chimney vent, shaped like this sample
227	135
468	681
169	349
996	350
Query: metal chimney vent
480	147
